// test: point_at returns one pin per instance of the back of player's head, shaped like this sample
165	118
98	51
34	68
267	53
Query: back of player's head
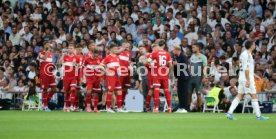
161	43
112	45
154	45
248	44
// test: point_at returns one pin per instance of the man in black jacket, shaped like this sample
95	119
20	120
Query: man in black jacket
182	74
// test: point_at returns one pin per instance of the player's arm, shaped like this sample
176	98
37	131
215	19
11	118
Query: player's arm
48	50
61	59
256	76
101	66
246	66
170	64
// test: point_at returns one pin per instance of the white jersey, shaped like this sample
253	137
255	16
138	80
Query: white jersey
246	63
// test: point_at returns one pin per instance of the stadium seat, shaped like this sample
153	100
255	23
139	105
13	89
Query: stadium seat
211	104
246	104
163	101
212	100
34	103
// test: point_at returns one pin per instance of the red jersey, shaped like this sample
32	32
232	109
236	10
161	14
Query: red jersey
112	64
69	63
162	59
124	62
80	61
90	64
46	66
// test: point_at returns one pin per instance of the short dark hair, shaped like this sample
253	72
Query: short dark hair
248	44
199	45
113	44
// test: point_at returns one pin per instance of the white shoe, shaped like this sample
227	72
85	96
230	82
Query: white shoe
181	111
72	109
121	111
110	111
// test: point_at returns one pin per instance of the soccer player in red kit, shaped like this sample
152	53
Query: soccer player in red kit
80	61
69	63
47	79
93	77
111	65
150	80
124	57
160	75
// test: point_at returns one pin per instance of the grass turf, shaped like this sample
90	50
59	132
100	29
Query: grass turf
60	125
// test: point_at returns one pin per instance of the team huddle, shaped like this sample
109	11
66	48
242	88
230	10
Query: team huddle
115	69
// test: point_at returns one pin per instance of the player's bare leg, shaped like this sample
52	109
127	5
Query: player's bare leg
199	102
88	100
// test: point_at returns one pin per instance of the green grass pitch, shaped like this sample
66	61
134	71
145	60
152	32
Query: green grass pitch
81	125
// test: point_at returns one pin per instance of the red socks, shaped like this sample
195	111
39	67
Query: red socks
108	100
73	97
88	99
50	95
168	97
119	101
124	93
148	99
67	99
45	99
77	100
156	98
96	100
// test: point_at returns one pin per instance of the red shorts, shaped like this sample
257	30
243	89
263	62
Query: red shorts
47	81
113	83
69	83
150	83
125	81
93	84
161	83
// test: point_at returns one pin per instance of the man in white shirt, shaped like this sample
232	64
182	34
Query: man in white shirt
27	35
15	37
174	41
268	18
246	83
158	26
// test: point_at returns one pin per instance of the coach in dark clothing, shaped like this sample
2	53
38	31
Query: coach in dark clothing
182	74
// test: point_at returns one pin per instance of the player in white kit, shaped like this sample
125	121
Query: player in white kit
246	83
